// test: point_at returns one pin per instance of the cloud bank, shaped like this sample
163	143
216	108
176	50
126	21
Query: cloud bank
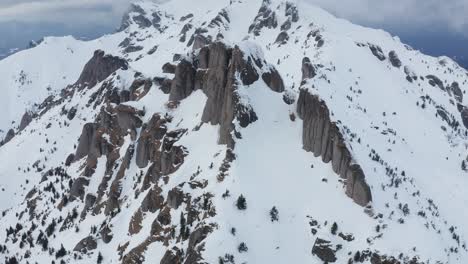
73	13
451	15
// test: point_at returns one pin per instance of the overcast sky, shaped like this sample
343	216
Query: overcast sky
434	26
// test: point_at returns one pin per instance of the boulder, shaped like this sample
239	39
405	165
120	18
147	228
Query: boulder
86	244
169	68
308	70
9	136
396	62
377	52
175	197
273	79
324	251
282	38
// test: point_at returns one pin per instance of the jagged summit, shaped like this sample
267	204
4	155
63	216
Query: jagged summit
233	132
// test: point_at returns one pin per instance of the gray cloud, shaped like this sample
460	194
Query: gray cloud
450	14
68	12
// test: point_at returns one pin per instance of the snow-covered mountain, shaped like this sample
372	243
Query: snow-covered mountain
240	131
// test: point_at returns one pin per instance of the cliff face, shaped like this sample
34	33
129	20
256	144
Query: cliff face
322	137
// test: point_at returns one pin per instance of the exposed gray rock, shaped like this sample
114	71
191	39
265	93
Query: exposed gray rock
183	32
25	120
457	92
90	200
135	91
77	190
199	41
324	251
86	244
464	115
393	56
183	82
220	86
148	148
377	51
153	200
164	84
323	138
273	79
169	68
286	25
113	203
9	136
106	234
266	18
292	11
87	141
173	256
282	38
133	48
99	68
435	81
222	19
182	19
69	159
71	113
175	197
308	70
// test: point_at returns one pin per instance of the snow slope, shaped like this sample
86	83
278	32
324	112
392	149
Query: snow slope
401	113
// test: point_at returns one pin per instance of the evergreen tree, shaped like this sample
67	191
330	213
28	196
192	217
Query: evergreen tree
241	203
334	228
274	214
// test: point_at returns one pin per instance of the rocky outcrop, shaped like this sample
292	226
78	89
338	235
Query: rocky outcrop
282	38
393	57
25	120
149	143
87	142
9	136
273	79
175	197
457	92
377	51
324	251
435	81
266	18
99	68
323	137
308	69
218	70
172	257
184	82
220	84
464	115
86	245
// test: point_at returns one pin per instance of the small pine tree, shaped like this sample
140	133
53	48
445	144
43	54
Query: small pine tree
99	258
334	228
274	214
242	248
241	203
61	252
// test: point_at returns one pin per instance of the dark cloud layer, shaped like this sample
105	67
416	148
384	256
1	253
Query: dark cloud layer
434	26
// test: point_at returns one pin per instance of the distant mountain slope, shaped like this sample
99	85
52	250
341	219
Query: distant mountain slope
233	132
